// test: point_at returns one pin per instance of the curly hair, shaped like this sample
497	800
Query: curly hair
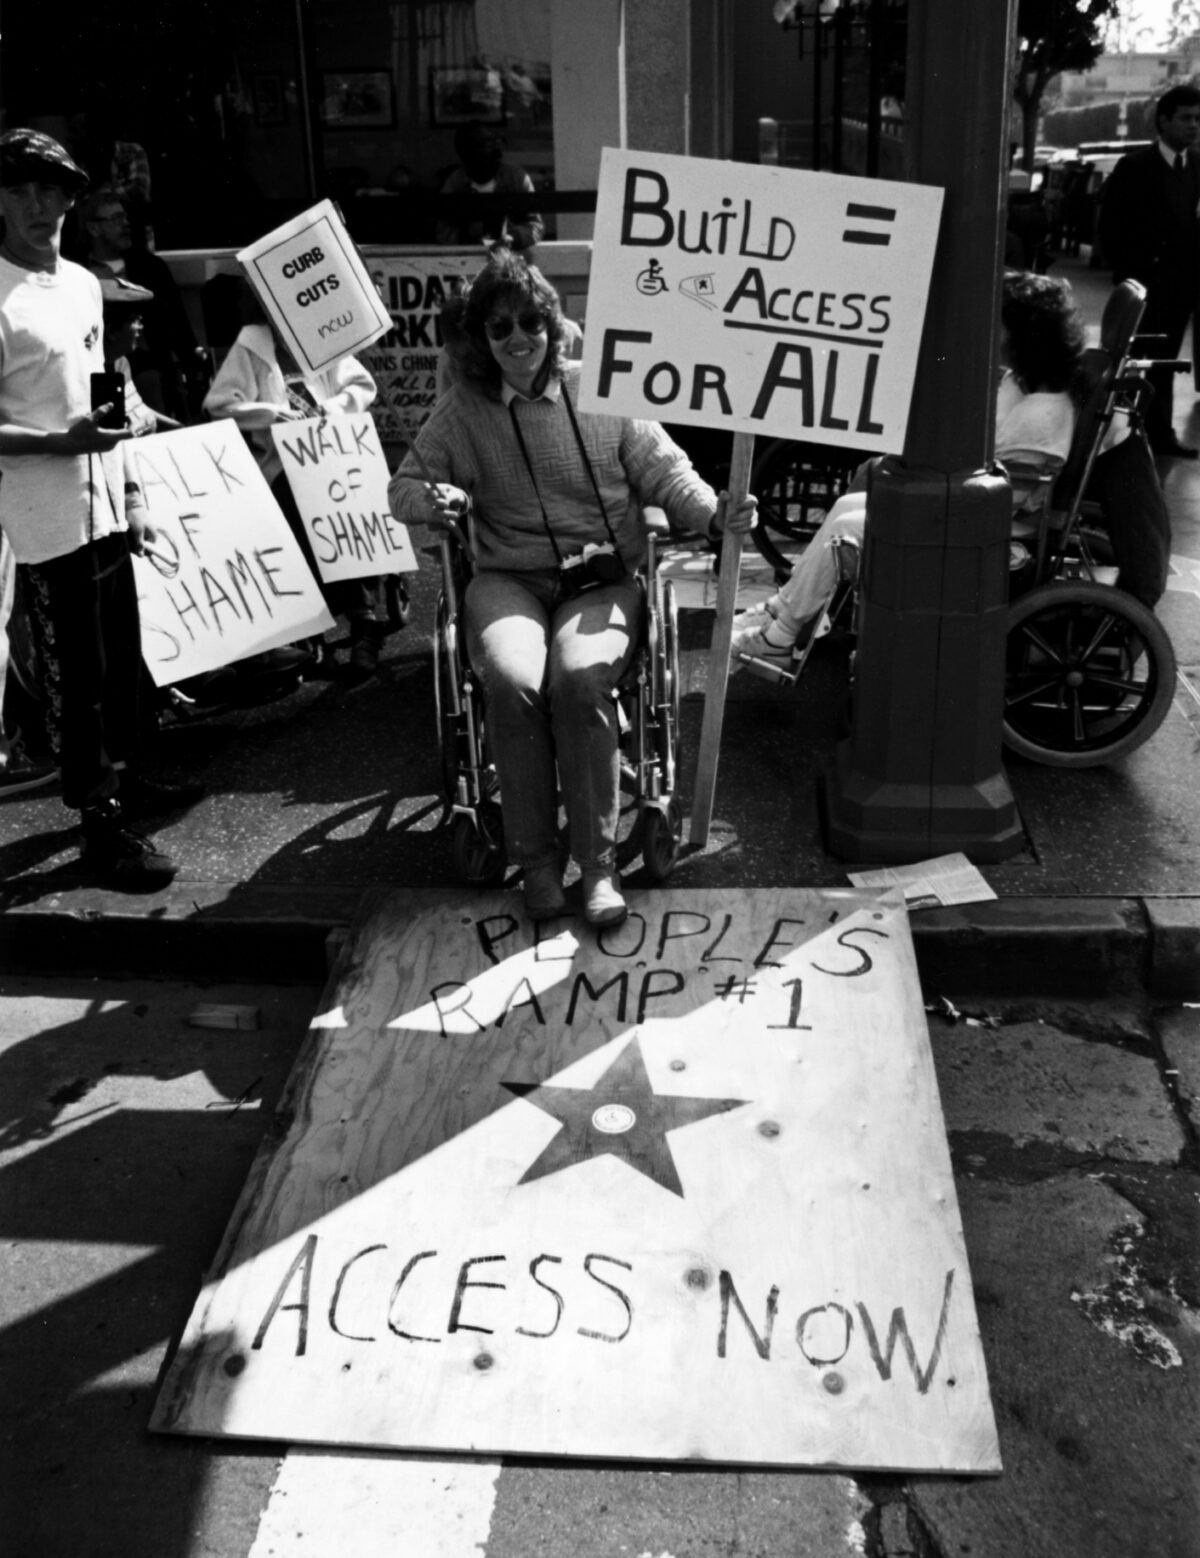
1045	332
510	282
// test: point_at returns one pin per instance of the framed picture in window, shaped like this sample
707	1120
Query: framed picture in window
459	94
357	100
270	100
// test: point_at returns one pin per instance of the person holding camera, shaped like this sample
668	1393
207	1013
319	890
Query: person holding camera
72	516
552	609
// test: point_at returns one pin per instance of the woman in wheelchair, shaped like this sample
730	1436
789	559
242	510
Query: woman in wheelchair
1041	342
552	608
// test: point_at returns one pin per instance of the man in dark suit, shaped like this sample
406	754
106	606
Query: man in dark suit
1150	231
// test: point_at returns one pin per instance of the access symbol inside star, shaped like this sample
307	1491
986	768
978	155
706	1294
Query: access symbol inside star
621	1115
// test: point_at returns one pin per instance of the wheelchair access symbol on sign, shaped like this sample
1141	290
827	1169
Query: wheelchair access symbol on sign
652	280
701	289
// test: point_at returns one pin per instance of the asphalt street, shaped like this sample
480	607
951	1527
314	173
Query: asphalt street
127	1133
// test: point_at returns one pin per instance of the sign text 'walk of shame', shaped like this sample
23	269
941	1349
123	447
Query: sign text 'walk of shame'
338	477
314	286
679	1189
225	577
762	300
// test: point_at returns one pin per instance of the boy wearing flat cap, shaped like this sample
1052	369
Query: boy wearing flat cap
68	514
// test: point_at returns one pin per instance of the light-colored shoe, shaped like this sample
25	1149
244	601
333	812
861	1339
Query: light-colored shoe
757	616
602	900
755	641
544	898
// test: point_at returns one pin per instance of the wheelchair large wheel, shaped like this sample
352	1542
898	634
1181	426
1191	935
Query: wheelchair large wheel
478	849
795	484
629	819
1090	675
662	839
447	730
669	694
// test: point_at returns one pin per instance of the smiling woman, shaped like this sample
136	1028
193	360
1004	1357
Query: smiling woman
553	609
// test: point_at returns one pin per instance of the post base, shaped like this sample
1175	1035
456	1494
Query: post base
893	824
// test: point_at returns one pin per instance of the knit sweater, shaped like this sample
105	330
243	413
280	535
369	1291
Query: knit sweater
470	442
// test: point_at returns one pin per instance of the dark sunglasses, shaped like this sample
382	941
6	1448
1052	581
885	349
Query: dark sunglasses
500	326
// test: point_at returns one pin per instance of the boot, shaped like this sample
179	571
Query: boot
118	856
544	899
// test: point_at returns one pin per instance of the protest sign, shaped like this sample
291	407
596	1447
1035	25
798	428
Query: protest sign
312	282
761	300
679	1189
226	577
338	476
404	362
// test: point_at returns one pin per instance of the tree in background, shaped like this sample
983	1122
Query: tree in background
1053	36
1184	23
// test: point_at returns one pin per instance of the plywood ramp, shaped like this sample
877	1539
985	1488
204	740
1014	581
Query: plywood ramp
677	1191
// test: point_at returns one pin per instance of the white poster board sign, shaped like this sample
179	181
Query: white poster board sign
676	1190
404	362
761	300
312	282
227	577
338	476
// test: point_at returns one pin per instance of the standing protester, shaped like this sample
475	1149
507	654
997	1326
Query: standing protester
1149	230
259	384
484	172
169	360
70	515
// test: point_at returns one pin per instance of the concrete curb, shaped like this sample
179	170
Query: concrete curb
1008	946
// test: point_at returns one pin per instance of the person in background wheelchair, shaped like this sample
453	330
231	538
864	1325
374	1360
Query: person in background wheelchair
553	608
1041	343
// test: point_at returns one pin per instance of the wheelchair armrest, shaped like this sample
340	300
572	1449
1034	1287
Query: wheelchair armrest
1031	475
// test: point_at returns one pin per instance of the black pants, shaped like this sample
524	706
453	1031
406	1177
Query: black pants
85	615
1125	483
1169	306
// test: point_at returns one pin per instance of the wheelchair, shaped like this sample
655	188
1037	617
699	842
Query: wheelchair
648	699
1089	670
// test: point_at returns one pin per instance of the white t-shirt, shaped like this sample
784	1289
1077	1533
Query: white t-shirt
51	341
1040	423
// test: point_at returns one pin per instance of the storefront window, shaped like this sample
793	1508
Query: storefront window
251	109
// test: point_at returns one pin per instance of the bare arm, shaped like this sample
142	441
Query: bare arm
85	436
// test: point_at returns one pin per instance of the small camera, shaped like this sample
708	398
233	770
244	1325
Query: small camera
598	563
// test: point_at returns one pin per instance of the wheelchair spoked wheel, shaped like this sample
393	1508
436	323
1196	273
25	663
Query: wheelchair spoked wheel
477	847
451	737
662	839
668	694
1090	675
630	819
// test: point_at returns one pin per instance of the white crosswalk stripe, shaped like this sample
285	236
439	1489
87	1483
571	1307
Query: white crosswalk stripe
328	1503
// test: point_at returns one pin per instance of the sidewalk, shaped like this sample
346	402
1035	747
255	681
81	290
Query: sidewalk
321	796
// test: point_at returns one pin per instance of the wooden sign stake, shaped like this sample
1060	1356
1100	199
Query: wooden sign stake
718	660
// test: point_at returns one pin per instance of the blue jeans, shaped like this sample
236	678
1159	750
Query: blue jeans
548	668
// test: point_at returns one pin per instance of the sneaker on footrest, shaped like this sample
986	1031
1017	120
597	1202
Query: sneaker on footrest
759	616
753	641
